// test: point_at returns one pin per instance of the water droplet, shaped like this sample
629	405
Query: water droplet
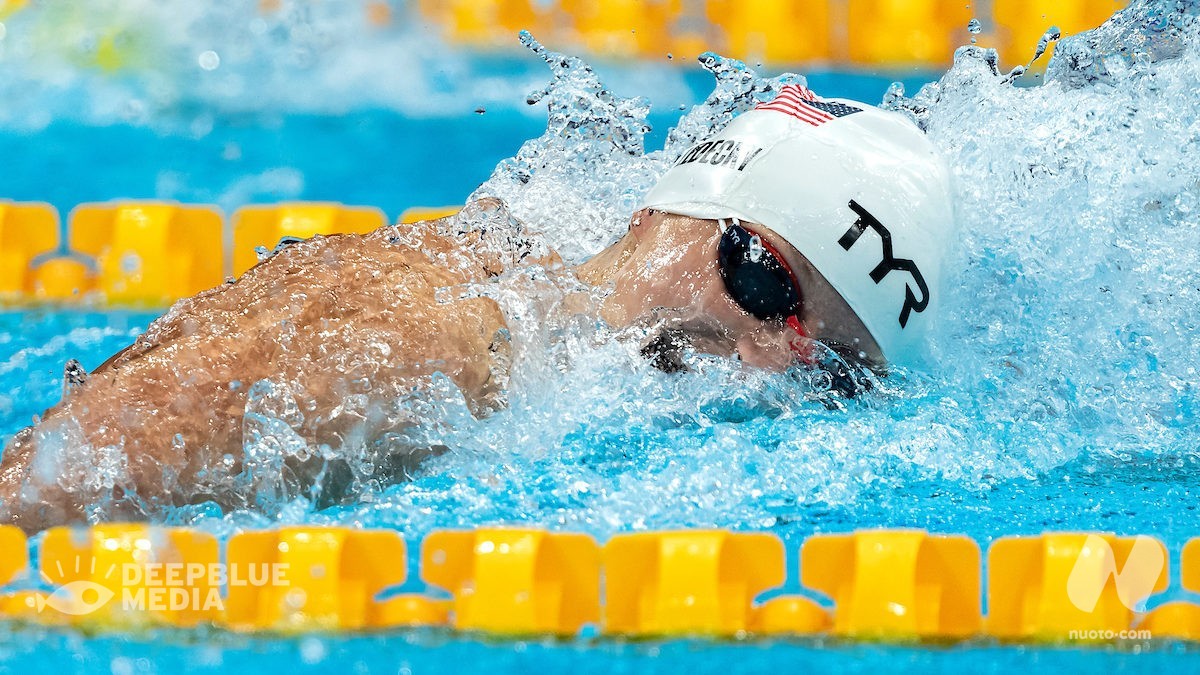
312	650
975	27
1053	34
209	60
285	242
295	599
74	376
122	666
130	263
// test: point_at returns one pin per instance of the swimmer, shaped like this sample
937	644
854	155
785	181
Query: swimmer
805	228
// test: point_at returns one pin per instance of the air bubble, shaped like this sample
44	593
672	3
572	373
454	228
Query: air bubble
209	60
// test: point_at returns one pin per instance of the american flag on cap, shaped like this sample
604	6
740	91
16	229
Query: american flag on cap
800	102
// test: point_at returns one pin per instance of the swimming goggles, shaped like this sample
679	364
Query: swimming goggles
759	280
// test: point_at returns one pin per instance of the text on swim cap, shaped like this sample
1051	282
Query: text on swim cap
733	154
889	263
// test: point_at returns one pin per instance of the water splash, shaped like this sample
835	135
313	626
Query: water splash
590	130
1136	38
553	180
1073	322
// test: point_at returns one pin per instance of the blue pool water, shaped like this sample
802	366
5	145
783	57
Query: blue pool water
435	652
1064	396
373	156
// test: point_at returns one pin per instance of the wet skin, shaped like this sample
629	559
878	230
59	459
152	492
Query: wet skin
344	329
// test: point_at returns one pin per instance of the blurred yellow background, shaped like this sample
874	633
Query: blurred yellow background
869	33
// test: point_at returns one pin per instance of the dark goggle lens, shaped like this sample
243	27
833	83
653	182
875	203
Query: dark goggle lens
755	278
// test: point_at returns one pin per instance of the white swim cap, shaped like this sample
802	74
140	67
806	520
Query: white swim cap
858	190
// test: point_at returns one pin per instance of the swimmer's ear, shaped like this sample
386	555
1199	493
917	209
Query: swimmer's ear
636	219
74	376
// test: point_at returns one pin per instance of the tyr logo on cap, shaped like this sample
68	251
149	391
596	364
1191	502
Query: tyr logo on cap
889	263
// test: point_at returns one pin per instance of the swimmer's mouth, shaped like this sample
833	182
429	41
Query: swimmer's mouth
665	350
667	345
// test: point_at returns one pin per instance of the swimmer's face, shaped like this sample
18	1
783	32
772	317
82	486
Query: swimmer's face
664	271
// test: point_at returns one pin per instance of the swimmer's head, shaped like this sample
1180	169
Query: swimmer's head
857	191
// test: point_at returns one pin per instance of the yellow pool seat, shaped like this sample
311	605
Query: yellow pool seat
698	582
774	31
897	584
1065	585
906	33
27	230
1173	620
255	226
622	28
1021	23
789	615
62	278
9	7
312	578
1179	620
14	553
14	564
378	13
486	22
150	253
516	581
417	214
